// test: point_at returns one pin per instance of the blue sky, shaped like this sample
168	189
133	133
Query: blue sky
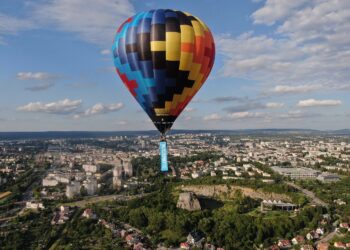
279	64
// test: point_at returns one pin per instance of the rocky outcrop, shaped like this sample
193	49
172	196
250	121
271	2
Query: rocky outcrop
188	201
230	192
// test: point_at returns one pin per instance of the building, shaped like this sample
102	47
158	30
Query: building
313	235
49	182
328	177
34	205
340	245
118	177
307	247
298	240
276	205
323	246
297	173
284	244
89	214
195	238
91	168
128	169
91	186
73	189
118	171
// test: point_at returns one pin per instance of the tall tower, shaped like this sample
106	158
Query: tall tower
117	177
128	170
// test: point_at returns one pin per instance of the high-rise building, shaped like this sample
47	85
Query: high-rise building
91	185
128	170
73	189
117	177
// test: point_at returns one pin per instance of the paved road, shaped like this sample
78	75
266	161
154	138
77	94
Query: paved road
309	194
326	238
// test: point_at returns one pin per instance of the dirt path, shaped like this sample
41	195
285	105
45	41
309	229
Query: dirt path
97	199
309	194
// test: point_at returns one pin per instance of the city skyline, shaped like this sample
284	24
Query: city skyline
279	64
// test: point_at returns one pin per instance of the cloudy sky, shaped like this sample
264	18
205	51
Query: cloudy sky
279	64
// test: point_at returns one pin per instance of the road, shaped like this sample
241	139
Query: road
327	238
309	194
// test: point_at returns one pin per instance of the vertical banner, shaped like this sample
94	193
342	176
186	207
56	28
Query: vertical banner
163	156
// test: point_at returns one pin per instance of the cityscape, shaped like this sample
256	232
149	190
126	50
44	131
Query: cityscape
280	191
174	125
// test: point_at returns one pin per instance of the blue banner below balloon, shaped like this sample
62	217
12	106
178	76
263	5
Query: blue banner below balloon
163	156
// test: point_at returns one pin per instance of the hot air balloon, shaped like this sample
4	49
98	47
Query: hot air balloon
163	57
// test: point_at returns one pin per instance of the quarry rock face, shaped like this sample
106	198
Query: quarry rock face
223	191
188	201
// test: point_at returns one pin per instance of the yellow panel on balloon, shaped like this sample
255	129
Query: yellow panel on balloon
173	46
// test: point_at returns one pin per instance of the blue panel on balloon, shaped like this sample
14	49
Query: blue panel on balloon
163	156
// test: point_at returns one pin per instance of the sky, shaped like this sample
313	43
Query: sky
279	64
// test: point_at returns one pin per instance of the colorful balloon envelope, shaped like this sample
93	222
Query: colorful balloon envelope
163	57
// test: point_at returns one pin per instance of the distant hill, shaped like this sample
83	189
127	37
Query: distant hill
96	134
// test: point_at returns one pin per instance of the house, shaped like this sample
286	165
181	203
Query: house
60	217
133	239
284	244
64	209
208	246
184	245
320	231
312	235
298	240
139	246
340	245
274	247
129	239
344	225
323	246
307	247
89	214
55	218
123	233
195	238
34	205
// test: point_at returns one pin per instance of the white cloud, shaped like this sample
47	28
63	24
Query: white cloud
274	105
275	10
10	25
189	110
212	117
309	45
286	89
34	76
100	108
318	103
244	115
65	106
94	21
105	52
